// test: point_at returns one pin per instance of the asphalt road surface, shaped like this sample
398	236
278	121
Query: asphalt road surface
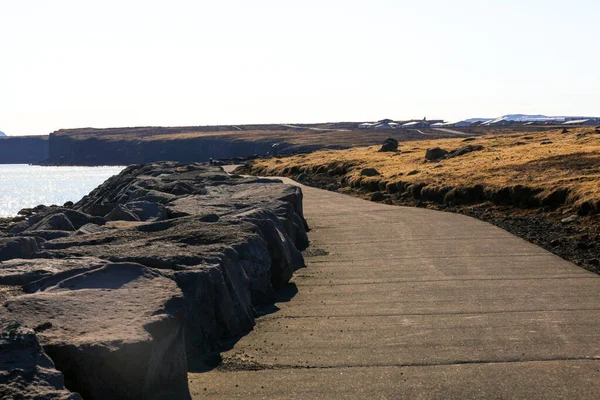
404	303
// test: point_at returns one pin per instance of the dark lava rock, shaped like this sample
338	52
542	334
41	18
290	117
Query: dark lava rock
390	145
147	211
32	274
26	371
189	253
17	247
435	153
369	172
89	229
377	196
121	213
55	218
79	219
54	222
115	331
46	235
464	150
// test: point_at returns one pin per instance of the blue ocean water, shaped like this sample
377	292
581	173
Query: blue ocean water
23	185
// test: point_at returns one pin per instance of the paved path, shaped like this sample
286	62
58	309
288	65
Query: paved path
410	303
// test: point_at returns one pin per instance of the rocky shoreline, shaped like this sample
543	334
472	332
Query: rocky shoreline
573	234
110	297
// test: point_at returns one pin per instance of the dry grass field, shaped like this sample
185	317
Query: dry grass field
547	168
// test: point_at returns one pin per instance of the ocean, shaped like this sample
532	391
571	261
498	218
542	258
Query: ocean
24	186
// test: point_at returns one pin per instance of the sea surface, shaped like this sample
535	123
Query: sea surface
23	186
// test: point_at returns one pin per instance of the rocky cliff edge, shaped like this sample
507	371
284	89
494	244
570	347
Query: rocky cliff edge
110	297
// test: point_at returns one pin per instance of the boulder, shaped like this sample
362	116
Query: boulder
155	196
26	371
464	150
121	213
79	219
89	229
17	247
54	219
435	153
147	211
115	332
378	196
54	222
390	145
369	172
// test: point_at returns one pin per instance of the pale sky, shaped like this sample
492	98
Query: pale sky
67	63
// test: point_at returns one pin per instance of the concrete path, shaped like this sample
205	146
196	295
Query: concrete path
403	303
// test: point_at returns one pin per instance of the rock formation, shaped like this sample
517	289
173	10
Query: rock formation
159	263
390	145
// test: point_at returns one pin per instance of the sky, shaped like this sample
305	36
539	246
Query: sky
68	64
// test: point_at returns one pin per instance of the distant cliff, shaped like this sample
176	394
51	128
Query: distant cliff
98	150
23	149
125	146
137	145
2	133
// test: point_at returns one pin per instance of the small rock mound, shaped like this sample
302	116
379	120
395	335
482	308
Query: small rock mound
369	172
435	153
378	196
390	145
464	150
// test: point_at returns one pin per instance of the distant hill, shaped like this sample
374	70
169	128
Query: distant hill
2	133
528	118
478	119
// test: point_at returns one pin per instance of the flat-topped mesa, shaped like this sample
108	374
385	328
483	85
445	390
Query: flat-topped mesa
158	263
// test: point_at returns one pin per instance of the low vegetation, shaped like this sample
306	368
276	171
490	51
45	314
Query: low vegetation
548	169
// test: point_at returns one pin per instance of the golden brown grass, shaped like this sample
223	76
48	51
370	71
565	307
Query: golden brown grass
570	161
